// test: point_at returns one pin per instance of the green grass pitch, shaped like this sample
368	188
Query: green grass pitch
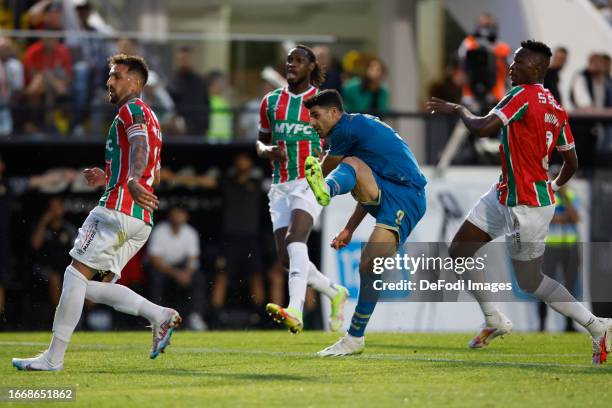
275	369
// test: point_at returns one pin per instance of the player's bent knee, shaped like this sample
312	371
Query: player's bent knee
356	163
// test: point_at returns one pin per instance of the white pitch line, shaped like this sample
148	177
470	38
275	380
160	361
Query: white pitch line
434	358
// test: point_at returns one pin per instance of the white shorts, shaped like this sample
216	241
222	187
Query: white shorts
108	239
524	227
289	196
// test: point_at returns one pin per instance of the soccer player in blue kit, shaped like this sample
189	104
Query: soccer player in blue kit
369	159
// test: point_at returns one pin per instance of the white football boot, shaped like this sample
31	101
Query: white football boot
162	332
38	363
602	344
346	346
495	326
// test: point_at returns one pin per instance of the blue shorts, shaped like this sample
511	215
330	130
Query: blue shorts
399	207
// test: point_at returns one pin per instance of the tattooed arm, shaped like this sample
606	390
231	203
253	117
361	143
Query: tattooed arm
139	154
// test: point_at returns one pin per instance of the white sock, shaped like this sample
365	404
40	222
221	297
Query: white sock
123	299
489	309
67	313
557	297
298	274
320	282
57	350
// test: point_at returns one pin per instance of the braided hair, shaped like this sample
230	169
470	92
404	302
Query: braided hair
317	76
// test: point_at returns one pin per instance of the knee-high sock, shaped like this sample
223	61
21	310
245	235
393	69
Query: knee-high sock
67	313
341	180
298	274
365	305
321	283
557	297
124	299
489	309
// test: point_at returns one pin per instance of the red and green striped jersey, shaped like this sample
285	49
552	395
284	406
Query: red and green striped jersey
135	118
284	116
534	124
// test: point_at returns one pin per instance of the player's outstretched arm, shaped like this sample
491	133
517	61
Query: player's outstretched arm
343	238
568	169
481	126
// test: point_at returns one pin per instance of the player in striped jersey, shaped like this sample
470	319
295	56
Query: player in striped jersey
521	205
119	226
286	139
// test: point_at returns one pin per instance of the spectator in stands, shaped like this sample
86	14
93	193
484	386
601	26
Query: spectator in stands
589	88
333	71
51	241
44	15
242	252
551	80
221	116
607	68
249	117
10	188
176	277
562	249
590	93
190	93
89	54
367	93
450	88
11	86
484	60
48	75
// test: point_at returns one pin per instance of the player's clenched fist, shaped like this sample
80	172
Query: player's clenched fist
95	177
342	239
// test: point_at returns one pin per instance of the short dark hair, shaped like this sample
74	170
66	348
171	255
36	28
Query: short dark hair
329	98
561	49
134	63
317	76
538	47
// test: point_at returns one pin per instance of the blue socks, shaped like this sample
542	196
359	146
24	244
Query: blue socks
365	305
341	180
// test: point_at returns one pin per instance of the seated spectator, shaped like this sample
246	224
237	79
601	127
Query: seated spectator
221	116
368	93
51	241
176	277
11	86
48	72
190	93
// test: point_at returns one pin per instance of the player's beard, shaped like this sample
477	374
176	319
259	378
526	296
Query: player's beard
113	97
